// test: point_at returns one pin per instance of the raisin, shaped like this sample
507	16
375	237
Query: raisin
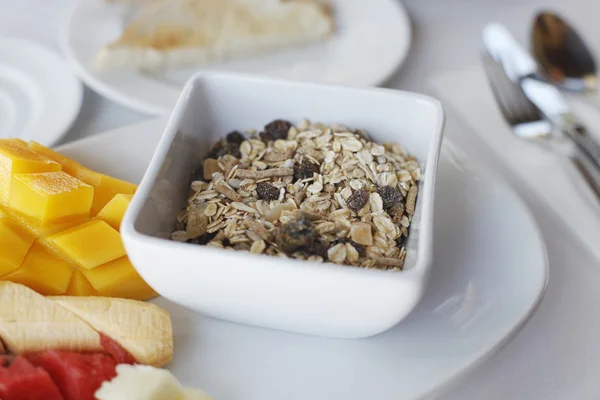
223	147
295	235
217	150
266	191
357	199
362	252
390	196
235	137
226	242
198	174
400	241
207	237
234	150
316	248
305	170
277	129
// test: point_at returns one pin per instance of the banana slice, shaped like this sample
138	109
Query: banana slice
30	322
143	329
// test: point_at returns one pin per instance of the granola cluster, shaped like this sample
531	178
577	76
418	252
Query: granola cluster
310	191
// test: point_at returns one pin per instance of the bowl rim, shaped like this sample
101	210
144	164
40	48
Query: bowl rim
131	236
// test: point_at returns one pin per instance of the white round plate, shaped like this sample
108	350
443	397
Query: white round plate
371	41
39	95
489	275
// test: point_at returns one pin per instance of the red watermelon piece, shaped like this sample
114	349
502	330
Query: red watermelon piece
21	380
77	375
117	352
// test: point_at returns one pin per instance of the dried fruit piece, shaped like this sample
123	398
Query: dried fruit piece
223	147
305	170
266	191
235	137
207	237
198	174
211	166
277	129
362	252
361	233
295	235
358	199
317	248
390	196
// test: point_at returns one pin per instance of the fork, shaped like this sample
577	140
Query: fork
527	121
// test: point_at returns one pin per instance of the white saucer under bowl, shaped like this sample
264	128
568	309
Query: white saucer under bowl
489	274
39	95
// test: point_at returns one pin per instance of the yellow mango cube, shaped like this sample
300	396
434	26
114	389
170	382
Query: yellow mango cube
106	187
114	211
16	157
80	286
119	279
88	245
50	197
43	272
68	165
14	244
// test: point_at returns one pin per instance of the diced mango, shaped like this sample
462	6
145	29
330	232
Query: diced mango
119	279
37	229
43	272
14	244
51	197
114	211
106	187
89	245
68	165
80	286
16	157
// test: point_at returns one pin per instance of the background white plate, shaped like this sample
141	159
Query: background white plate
39	95
371	41
489	274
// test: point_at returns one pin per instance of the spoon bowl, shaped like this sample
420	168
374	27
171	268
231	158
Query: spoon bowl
565	59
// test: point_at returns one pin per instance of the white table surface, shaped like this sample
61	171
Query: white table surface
446	37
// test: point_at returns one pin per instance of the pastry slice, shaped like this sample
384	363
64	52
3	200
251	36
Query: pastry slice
143	329
29	323
178	33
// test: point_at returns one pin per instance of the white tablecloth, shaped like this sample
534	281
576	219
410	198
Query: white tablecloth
541	362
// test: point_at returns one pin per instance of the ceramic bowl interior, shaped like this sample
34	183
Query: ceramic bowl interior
213	105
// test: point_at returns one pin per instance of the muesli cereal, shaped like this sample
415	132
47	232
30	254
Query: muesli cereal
310	191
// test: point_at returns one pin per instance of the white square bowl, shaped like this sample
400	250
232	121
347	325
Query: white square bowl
286	294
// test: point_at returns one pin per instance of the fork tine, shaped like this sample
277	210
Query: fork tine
522	115
513	103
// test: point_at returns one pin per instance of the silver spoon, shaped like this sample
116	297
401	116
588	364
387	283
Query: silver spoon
563	55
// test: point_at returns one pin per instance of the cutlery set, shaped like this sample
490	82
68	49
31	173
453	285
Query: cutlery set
529	92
